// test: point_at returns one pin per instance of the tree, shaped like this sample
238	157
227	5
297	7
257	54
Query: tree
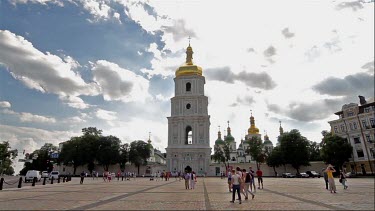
82	150
90	142
6	156
41	159
93	131
275	159
71	153
294	148
109	151
124	156
222	154
138	153
256	150
314	151
335	150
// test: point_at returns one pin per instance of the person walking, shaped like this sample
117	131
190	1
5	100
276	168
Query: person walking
343	179
187	178
325	177
247	184
236	180
229	181
331	181
252	182
192	180
83	174
260	178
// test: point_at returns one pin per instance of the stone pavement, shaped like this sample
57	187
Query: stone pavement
210	194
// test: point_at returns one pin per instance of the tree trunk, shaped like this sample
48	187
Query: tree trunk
274	170
138	169
74	169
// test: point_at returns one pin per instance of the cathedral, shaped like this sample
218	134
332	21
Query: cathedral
240	155
189	125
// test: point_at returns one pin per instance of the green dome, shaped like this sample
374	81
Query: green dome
229	138
267	142
219	142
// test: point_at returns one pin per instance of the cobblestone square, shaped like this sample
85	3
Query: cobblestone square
210	194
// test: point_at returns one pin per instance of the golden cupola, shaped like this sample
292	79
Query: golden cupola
253	129
189	68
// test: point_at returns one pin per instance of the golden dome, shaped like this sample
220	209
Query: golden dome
189	68
253	129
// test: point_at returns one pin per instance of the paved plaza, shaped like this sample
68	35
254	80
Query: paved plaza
210	194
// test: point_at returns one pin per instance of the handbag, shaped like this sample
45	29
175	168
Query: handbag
340	180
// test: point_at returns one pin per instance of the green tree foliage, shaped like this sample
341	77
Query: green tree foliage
43	161
314	151
138	153
124	156
90	142
256	150
6	156
294	148
335	150
275	158
222	154
72	153
109	151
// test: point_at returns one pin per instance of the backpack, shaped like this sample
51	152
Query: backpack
248	178
187	176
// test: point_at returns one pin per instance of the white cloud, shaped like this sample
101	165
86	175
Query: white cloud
29	117
106	115
5	104
44	72
100	10
74	102
44	2
118	83
30	139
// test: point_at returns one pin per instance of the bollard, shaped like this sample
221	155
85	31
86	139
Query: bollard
44	181
58	179
51	180
34	180
122	178
20	183
1	183
63	179
118	177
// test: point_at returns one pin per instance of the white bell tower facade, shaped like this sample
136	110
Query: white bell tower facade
189	123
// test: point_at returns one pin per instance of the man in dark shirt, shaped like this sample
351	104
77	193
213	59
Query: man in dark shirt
82	177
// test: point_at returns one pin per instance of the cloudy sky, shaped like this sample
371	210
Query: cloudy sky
70	64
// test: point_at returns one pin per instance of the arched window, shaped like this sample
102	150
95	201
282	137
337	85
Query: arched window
189	135
188	87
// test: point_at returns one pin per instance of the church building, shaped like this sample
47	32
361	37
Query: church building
189	123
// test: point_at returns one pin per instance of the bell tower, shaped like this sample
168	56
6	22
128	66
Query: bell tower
189	123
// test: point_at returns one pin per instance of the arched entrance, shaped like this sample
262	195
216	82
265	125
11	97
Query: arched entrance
188	169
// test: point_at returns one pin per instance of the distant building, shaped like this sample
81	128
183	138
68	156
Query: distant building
240	155
155	155
356	123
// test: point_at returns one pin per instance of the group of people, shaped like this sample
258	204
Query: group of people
190	179
242	181
330	181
